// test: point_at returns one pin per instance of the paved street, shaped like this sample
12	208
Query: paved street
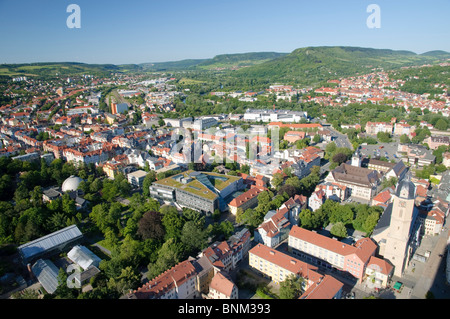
340	139
422	277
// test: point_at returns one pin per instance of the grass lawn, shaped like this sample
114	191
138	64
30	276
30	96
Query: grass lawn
190	81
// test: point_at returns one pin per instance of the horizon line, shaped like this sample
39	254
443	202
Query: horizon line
186	59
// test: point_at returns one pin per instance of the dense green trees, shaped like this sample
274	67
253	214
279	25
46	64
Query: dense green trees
357	216
266	201
150	226
384	137
339	230
337	155
441	125
429	170
292	287
30	217
423	80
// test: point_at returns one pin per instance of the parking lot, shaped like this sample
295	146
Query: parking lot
387	150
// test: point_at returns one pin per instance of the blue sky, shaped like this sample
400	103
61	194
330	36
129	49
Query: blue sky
139	31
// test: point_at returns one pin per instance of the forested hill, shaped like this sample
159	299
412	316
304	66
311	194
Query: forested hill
314	64
219	61
52	69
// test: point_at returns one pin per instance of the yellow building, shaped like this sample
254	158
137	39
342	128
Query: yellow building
278	266
110	118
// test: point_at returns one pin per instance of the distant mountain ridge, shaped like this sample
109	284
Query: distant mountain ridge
303	65
219	61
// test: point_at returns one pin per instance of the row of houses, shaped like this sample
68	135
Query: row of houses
307	250
205	276
377	88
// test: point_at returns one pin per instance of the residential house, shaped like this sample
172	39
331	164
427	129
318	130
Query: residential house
274	229
220	256
136	178
373	128
294	136
249	199
239	243
378	272
222	287
316	199
446	159
432	221
294	206
179	282
278	266
383	198
327	287
404	128
435	141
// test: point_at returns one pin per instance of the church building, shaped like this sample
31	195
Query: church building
398	230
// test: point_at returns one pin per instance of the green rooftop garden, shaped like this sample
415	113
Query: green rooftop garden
219	181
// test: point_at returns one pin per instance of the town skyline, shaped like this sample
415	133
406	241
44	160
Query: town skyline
154	163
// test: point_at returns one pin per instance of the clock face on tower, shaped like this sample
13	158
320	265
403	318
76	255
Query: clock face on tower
402	203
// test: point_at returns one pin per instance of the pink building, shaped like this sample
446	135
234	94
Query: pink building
435	141
331	252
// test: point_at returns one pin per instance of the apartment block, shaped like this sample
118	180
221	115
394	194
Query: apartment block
179	282
279	266
330	252
249	199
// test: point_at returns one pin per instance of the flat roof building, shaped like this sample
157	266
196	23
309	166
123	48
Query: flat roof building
136	178
202	191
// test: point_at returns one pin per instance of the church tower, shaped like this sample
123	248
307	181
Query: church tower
397	248
356	159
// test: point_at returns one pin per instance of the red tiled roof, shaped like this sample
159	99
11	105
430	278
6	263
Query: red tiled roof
383	197
363	248
295	126
168	280
245	197
285	261
222	284
327	288
384	266
421	191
